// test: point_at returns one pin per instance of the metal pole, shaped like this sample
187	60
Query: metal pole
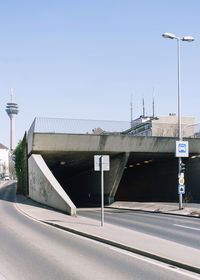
102	191
179	90
179	174
179	118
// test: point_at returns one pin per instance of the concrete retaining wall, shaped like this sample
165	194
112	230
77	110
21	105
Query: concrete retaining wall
44	188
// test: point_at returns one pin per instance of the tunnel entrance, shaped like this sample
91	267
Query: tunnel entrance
75	173
148	179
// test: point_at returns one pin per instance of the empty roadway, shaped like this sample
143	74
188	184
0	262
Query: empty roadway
183	230
31	250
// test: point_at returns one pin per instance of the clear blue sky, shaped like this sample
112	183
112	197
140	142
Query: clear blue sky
85	58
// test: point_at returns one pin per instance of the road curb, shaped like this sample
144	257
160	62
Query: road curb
155	211
127	248
115	244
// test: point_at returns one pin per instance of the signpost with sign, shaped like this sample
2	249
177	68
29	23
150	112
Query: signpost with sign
181	189
102	163
182	149
181	181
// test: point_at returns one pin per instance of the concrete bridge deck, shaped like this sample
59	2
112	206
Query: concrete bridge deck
142	168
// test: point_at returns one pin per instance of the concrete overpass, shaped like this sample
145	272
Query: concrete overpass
61	168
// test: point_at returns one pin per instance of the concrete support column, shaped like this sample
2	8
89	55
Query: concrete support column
113	177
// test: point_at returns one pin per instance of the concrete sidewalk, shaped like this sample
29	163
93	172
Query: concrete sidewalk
143	244
189	209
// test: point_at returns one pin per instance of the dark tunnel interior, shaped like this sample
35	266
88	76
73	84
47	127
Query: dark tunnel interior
146	178
150	179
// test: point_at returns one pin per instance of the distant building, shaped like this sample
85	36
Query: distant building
166	126
4	161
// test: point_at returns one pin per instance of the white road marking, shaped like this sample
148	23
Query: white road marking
175	269
187	227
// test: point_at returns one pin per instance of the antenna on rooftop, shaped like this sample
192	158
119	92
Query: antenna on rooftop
143	107
153	102
131	105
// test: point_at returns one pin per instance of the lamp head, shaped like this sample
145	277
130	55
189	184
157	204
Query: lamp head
188	39
168	35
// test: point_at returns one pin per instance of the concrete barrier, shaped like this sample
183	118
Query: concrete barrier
44	188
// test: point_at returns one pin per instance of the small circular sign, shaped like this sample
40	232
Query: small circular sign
181	181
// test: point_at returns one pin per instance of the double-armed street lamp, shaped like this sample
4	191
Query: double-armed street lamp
179	39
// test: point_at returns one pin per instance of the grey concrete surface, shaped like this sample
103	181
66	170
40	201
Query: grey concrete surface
143	244
48	142
113	177
177	228
189	209
31	250
44	188
70	158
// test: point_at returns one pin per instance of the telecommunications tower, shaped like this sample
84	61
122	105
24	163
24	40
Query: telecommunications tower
12	111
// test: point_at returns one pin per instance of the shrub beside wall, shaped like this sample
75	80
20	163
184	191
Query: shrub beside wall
21	166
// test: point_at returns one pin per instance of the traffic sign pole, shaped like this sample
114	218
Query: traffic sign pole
180	194
181	189
102	163
102	191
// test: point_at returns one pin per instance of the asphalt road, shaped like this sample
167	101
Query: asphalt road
32	250
183	230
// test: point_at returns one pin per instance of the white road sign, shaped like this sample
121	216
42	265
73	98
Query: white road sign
105	162
181	189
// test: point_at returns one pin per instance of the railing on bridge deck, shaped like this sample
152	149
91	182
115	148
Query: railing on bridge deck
78	126
81	126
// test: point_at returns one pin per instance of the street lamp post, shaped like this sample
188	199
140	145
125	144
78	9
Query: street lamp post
179	39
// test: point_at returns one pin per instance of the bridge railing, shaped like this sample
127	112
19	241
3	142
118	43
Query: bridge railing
80	126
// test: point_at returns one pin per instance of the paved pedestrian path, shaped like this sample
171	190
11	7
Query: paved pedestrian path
147	245
189	209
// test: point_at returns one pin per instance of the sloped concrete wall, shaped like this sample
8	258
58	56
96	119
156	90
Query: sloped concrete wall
113	177
44	188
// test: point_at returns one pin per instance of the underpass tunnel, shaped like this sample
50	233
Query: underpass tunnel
149	178
73	172
146	178
154	178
